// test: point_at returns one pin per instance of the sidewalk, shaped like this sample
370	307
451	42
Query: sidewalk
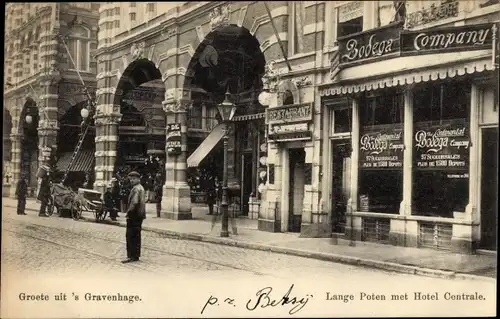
428	262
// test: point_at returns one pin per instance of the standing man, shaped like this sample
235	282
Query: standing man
21	192
44	195
158	189
136	213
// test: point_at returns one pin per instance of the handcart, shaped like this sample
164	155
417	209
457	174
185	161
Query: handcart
63	198
92	202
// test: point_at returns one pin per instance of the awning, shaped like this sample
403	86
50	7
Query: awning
206	146
408	70
83	163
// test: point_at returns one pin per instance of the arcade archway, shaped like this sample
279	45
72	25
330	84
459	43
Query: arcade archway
28	127
81	172
229	59
141	131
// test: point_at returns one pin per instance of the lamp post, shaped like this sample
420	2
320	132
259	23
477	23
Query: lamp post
226	110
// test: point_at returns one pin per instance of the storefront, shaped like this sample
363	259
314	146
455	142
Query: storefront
417	101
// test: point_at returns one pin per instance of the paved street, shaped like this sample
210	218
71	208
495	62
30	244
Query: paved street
56	253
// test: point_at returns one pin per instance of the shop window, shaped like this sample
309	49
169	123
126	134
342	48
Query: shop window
381	144
441	149
350	18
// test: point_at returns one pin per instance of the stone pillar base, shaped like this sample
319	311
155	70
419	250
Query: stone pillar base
321	230
176	203
353	230
463	238
273	226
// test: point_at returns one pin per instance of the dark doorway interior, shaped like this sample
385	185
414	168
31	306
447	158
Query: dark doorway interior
489	188
247	183
340	151
296	189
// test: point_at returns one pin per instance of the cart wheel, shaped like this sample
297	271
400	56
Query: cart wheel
76	211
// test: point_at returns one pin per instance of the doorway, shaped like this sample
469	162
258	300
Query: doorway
296	189
340	187
246	182
489	188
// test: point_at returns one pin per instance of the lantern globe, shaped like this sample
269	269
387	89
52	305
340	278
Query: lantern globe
29	119
84	113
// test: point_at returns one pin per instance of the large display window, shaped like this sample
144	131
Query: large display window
380	184
441	144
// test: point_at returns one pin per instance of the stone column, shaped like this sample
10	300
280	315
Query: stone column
234	159
404	232
106	141
16	137
466	236
176	201
353	227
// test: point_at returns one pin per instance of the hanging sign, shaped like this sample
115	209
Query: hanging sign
174	138
462	38
441	147
290	114
381	147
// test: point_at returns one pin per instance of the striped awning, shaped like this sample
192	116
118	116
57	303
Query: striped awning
83	163
408	70
206	146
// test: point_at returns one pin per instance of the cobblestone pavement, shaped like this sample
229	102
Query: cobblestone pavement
73	254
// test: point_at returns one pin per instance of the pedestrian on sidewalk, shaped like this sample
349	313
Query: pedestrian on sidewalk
21	192
158	189
136	213
211	195
115	190
44	195
109	204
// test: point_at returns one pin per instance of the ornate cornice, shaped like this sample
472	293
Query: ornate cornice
108	119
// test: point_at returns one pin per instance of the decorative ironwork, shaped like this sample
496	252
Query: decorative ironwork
446	9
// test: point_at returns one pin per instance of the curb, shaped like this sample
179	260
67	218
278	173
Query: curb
342	259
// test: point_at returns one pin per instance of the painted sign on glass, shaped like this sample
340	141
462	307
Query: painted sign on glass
173	139
381	147
441	147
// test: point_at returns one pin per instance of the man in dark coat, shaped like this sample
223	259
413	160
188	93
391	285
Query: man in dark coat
110	204
136	213
158	189
44	195
21	192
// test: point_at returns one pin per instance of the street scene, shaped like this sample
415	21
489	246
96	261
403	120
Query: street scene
342	149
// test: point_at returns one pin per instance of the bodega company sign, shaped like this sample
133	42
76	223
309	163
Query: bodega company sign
381	148
370	45
463	38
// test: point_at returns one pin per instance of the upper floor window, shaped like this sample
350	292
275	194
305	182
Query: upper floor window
150	7
79	48
132	16
132	4
296	26
350	18
117	11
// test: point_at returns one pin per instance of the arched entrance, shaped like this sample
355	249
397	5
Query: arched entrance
229	59
81	172
141	131
28	127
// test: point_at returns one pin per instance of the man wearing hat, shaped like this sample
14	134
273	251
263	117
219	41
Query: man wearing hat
109	203
21	192
135	214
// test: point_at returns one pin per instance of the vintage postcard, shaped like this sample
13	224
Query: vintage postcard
250	159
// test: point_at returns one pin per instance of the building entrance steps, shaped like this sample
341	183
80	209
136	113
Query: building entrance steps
411	260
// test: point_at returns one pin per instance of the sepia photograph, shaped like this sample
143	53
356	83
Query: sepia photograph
243	159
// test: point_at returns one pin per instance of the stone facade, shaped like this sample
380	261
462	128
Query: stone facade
38	68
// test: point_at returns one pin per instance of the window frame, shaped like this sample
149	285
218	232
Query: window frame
336	13
80	41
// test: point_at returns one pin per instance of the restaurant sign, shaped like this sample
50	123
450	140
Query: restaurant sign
173	139
462	38
290	114
381	147
369	45
441	147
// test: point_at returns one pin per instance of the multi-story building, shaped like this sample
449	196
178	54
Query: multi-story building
379	119
42	86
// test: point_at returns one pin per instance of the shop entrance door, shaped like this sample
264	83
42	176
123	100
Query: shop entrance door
296	189
246	181
340	187
489	188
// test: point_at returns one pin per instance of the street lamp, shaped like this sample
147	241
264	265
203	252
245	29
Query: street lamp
226	110
29	119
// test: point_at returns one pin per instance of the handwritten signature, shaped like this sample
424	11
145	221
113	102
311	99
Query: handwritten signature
264	299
